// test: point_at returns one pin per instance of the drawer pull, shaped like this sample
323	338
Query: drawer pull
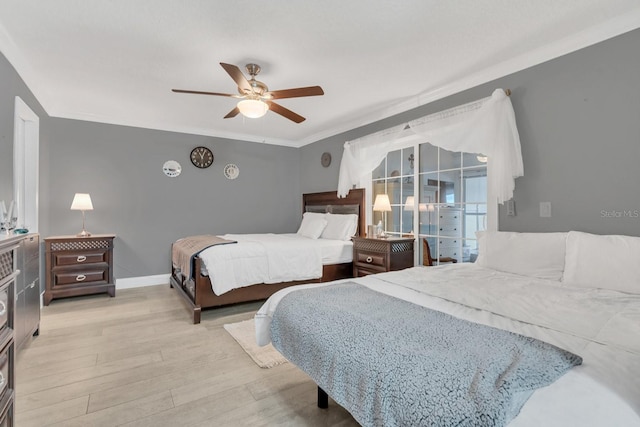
3	308
80	277
369	259
81	258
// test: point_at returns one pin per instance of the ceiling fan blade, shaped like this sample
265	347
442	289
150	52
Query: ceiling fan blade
198	92
284	112
237	77
297	92
232	113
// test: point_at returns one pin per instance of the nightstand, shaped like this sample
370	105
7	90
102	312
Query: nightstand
78	266
371	256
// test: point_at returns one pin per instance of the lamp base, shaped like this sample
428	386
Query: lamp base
83	233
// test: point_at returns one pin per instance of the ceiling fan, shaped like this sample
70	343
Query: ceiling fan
256	97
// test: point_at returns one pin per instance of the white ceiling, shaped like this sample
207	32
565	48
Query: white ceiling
117	61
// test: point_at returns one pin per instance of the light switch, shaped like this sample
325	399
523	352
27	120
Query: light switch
545	209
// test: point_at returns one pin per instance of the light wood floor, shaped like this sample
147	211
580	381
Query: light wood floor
136	360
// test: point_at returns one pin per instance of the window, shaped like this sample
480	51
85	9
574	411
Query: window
436	195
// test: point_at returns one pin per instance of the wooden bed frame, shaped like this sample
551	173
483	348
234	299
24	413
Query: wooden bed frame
198	294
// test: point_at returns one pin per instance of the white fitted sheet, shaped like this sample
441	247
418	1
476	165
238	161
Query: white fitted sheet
270	258
601	326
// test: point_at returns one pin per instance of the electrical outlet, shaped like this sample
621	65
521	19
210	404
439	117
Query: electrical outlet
511	207
545	209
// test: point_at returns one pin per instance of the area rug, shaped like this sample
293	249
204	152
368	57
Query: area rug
245	334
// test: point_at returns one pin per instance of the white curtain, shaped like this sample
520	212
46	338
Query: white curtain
487	126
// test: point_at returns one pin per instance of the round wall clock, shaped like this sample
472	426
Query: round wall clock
171	168
231	171
201	157
325	159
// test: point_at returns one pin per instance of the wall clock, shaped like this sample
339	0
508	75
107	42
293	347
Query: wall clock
171	168
325	159
201	157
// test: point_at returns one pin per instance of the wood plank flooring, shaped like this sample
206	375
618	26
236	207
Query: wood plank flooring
136	360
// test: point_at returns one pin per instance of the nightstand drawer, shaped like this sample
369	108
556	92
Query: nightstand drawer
99	275
364	258
365	271
79	258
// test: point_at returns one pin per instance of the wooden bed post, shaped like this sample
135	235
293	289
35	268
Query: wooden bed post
323	399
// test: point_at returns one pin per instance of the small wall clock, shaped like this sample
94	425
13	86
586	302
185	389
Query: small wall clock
201	157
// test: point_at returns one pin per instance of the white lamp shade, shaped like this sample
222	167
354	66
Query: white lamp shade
253	108
408	204
382	203
81	202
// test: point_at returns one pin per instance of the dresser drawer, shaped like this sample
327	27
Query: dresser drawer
79	258
371	259
4	371
452	230
92	276
4	307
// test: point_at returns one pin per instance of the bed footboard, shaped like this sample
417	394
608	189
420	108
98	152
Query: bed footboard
198	294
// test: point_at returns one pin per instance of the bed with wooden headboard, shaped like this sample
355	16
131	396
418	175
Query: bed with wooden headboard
197	290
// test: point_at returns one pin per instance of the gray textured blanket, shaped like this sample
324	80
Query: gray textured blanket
393	363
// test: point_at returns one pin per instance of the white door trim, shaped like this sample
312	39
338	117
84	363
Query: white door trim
26	152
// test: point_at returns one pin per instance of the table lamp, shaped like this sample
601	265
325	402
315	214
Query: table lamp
82	202
383	205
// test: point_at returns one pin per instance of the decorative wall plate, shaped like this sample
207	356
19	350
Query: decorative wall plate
171	168
325	160
231	171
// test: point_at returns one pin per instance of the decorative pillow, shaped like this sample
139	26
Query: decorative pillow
539	255
340	227
606	262
312	225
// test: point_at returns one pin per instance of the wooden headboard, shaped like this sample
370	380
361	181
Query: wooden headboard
329	201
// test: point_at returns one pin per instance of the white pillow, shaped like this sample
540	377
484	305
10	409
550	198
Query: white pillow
539	255
312	225
606	262
340	227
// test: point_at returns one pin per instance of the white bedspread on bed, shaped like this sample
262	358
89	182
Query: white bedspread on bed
270	258
601	326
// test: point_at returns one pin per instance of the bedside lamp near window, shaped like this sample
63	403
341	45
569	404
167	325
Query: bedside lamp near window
82	202
382	204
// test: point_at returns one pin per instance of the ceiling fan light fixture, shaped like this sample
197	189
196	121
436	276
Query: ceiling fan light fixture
253	108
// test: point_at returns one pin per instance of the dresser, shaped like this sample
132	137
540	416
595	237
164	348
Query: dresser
371	256
27	301
78	266
9	273
449	234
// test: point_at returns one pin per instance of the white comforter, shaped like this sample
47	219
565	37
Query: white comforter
261	258
601	326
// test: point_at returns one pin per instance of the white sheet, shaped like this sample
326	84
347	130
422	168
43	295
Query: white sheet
601	326
270	258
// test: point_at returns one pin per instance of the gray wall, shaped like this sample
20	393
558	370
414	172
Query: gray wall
579	123
121	167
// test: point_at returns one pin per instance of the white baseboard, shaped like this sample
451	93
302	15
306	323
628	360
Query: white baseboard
139	282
